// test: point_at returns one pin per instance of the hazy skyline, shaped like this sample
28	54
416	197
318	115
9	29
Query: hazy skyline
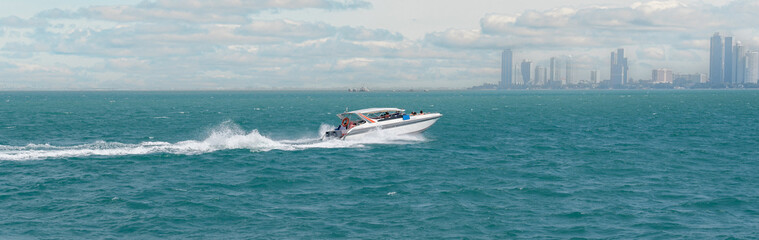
335	44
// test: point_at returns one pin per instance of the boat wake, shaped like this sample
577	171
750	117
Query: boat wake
226	136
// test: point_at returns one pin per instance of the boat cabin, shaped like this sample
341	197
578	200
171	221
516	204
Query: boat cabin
371	115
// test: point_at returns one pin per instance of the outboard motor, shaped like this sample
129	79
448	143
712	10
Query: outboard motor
333	134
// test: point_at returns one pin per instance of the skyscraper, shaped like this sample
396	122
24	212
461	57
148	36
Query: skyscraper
740	63
752	67
518	75
728	61
618	71
568	64
553	73
525	68
540	75
506	74
715	60
595	76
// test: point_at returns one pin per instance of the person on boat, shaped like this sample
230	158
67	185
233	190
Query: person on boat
345	124
413	113
421	112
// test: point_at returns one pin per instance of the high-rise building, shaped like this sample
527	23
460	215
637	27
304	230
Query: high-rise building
619	68
739	56
553	73
752	67
525	68
595	76
506	63
540	76
728	61
662	75
715	60
518	75
570	77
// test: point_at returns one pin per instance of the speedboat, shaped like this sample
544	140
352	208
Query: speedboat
388	120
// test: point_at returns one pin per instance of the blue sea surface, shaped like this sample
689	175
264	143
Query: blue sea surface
499	164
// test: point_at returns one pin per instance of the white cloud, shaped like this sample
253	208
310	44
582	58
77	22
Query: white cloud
287	29
353	63
127	63
365	34
654	6
16	22
169	44
652	53
654	22
196	11
466	38
554	18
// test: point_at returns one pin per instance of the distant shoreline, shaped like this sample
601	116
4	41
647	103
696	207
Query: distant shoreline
387	91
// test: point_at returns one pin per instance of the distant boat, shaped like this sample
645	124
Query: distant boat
389	120
362	89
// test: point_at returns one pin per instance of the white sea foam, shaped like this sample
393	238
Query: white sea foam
223	137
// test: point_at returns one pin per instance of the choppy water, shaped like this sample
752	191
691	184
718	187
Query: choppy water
524	164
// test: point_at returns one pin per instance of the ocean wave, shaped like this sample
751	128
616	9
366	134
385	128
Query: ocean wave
226	136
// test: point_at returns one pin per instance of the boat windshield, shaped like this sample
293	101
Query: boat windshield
385	115
354	118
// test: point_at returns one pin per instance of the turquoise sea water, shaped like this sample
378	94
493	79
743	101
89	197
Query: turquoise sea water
521	164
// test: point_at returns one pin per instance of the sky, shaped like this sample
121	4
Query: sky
340	44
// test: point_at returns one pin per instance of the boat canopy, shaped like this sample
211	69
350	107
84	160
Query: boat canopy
376	110
361	113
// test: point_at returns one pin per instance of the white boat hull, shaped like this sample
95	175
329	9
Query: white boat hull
415	124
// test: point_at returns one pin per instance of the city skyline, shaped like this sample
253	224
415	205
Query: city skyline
336	44
730	65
